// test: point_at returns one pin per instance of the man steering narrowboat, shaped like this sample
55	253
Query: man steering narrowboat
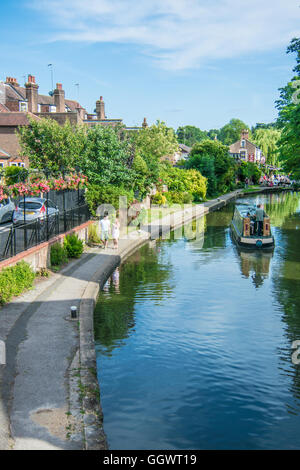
259	216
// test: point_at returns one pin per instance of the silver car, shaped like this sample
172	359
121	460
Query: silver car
7	208
35	208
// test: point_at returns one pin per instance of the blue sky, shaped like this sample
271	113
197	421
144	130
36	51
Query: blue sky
197	62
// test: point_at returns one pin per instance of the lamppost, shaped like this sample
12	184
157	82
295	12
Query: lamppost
51	71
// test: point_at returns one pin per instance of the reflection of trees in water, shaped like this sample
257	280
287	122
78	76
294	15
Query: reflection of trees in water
287	291
281	206
114	315
218	223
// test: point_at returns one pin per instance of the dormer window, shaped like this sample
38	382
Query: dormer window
23	106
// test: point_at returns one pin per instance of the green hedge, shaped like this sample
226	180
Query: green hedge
109	194
14	280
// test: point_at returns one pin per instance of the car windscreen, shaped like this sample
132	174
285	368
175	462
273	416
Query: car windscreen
30	205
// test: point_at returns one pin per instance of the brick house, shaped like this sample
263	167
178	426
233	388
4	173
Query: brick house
27	98
245	150
17	103
9	143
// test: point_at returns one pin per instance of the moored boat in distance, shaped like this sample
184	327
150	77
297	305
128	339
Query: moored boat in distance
249	233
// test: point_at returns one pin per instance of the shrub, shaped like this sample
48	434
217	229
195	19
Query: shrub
140	218
93	234
14	174
73	245
109	194
14	280
175	197
58	254
184	181
159	199
187	198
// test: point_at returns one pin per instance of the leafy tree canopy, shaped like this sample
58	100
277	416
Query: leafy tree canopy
106	158
289	117
189	135
231	132
151	144
155	141
224	165
49	145
267	140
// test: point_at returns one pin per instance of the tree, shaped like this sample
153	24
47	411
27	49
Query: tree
224	165
206	165
213	134
249	170
156	141
289	117
151	144
106	158
48	145
189	135
267	140
231	132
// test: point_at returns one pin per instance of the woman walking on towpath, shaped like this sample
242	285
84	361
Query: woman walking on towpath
116	232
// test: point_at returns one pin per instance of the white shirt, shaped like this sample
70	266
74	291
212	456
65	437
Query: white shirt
105	225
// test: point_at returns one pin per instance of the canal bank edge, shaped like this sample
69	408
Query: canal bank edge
94	434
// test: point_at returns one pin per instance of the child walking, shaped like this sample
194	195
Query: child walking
116	233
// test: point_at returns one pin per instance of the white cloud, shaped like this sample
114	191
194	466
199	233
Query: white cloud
178	34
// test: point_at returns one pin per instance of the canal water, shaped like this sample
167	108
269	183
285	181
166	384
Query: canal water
194	339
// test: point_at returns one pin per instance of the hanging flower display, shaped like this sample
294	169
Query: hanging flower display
34	187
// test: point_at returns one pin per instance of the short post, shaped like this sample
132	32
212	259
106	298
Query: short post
73	312
25	227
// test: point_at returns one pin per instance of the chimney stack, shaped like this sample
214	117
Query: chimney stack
245	134
32	94
11	81
59	98
100	109
145	124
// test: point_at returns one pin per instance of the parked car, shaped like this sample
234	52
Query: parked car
7	208
34	208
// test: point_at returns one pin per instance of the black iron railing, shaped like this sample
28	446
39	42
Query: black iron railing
17	238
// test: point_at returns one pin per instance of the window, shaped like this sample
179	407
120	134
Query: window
243	143
13	164
21	164
23	106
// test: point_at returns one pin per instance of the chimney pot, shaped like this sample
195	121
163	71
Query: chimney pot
31	79
59	86
12	81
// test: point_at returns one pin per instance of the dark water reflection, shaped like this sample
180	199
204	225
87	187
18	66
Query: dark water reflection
194	340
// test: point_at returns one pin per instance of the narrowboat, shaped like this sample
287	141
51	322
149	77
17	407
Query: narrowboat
245	229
